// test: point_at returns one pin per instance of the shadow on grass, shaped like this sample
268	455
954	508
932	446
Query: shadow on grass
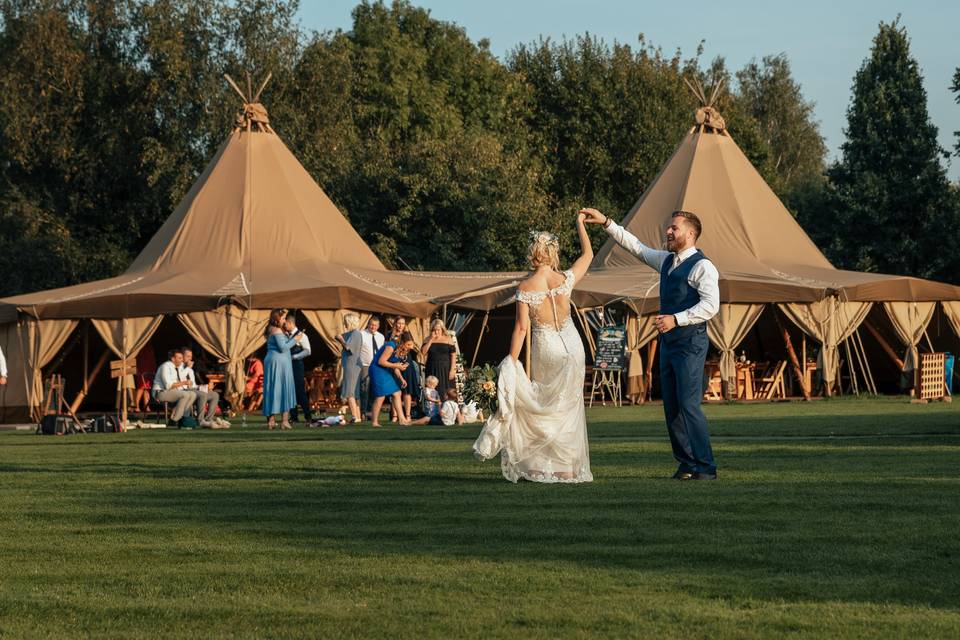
785	524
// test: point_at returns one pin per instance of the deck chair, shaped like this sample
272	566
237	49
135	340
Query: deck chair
771	383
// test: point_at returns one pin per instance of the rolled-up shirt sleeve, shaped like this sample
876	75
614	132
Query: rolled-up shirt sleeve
706	280
651	257
305	348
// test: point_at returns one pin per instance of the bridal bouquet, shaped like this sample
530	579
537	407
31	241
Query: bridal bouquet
481	388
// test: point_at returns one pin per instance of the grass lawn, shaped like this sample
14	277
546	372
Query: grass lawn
832	519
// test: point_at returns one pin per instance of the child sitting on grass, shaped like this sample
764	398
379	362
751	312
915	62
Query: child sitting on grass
450	413
447	413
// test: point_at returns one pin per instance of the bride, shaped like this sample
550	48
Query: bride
540	428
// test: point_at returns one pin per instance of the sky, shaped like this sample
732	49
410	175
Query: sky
825	41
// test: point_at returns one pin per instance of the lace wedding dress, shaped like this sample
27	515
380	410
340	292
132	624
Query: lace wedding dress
539	428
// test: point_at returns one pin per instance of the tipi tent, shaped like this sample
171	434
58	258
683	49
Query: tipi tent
762	254
254	232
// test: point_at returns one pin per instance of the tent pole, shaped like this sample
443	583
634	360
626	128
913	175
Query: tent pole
793	356
860	362
86	356
581	316
853	370
81	395
648	378
885	345
873	384
483	328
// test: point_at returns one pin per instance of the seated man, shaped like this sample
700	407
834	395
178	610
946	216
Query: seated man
207	400
170	387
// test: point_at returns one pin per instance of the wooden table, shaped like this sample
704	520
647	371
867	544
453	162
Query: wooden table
215	379
745	381
745	378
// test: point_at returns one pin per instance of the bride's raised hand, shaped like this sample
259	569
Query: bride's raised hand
591	216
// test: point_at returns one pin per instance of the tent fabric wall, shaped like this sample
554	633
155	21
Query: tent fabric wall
329	324
951	309
830	322
15	395
231	333
726	331
39	342
640	331
127	336
910	320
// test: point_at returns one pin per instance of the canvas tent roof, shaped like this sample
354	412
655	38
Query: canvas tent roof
255	229
762	254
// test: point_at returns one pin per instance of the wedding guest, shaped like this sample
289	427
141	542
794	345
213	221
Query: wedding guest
441	356
386	376
431	403
254	386
298	353
431	398
279	395
371	341
350	365
170	387
3	368
410	394
146	369
206	404
450	413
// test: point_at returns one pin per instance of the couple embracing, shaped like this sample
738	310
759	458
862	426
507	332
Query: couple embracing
539	428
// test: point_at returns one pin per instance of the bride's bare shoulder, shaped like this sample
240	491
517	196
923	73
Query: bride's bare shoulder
533	283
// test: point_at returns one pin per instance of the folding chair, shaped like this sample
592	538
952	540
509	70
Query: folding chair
771	384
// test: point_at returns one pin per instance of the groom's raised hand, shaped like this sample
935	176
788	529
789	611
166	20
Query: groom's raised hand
592	216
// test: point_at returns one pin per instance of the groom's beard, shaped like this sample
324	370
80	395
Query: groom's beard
672	244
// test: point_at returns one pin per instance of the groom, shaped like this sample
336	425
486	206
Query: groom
689	296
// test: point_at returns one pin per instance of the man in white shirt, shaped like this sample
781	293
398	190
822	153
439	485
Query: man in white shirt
689	297
3	368
170	387
298	353
370	342
206	403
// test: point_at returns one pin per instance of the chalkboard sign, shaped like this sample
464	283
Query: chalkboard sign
611	347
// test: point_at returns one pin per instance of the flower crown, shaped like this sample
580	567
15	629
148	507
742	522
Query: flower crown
545	237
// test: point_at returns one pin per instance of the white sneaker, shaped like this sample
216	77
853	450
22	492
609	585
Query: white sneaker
221	423
205	424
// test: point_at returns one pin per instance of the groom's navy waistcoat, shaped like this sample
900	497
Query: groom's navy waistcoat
677	295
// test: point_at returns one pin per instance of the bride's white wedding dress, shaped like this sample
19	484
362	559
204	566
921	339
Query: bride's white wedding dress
540	428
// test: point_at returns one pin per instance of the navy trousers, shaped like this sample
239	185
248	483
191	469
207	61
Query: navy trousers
682	357
300	383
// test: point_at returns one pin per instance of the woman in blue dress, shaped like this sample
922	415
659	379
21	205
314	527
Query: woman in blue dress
279	389
386	376
410	394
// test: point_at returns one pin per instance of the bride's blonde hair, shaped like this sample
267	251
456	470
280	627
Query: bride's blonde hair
544	249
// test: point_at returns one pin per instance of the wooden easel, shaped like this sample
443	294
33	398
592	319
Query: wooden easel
604	382
120	369
53	402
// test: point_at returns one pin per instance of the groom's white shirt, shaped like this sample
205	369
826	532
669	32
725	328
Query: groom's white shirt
704	276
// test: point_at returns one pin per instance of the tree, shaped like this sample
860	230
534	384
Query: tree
423	146
769	94
889	207
955	87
